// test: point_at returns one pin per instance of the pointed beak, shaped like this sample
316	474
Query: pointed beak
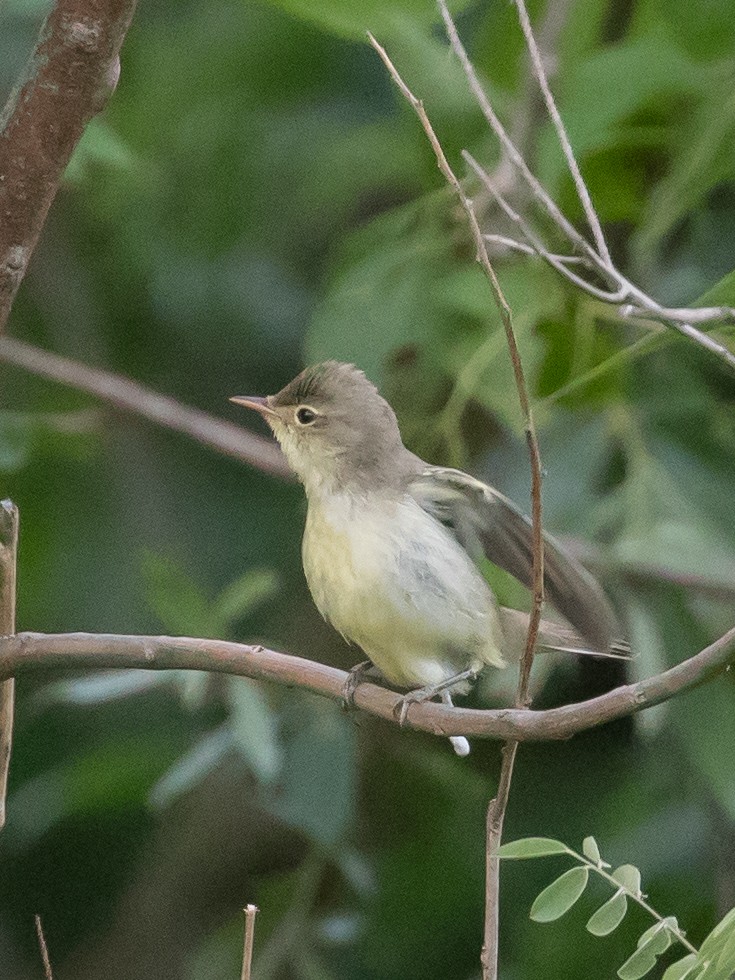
255	402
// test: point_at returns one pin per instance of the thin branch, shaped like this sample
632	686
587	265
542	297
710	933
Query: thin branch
520	381
515	246
541	194
536	245
493	836
497	806
43	949
635	896
8	574
68	79
528	109
247	951
582	191
35	652
130	396
633	301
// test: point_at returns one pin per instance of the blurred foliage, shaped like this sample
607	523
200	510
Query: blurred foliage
257	196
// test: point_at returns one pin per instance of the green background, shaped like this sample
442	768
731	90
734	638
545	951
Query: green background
257	197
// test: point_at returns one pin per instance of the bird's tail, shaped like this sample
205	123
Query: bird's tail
552	637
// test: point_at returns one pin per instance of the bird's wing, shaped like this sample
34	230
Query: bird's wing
487	523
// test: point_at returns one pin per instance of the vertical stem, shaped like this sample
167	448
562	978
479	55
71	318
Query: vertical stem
8	559
43	949
494	832
247	953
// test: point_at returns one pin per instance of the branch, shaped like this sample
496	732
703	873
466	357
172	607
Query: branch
34	652
497	806
247	950
69	78
630	299
129	396
43	950
8	567
505	313
584	196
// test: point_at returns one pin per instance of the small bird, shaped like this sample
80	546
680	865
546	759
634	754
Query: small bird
391	545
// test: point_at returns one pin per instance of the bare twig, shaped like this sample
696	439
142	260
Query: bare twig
69	78
497	806
247	951
539	192
536	246
36	652
8	567
493	837
522	388
528	109
583	193
630	299
130	396
43	948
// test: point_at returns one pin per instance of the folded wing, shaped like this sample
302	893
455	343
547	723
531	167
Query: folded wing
486	522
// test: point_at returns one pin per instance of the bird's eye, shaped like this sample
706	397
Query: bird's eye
305	416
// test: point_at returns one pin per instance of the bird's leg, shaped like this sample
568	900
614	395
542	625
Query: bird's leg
422	694
355	677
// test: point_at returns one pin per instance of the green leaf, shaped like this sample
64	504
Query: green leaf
238	599
532	847
658	937
192	767
383	17
102	687
726	959
721	294
683	969
591	850
609	916
716	940
629	877
174	597
651	944
254	727
558	897
316	791
16	440
380	294
637	965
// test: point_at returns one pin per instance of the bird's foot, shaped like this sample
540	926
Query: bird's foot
422	694
355	677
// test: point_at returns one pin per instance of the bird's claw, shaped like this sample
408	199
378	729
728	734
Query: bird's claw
355	677
400	712
422	694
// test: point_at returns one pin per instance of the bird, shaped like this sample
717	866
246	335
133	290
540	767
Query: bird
393	546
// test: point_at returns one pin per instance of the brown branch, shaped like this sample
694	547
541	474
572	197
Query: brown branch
69	78
8	567
247	952
34	652
493	836
496	807
584	196
130	396
43	949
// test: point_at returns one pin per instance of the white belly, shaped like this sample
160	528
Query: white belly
394	581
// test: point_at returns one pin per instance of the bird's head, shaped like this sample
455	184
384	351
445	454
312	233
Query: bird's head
334	427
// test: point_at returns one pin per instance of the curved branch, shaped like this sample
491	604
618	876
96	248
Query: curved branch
69	78
29	652
130	396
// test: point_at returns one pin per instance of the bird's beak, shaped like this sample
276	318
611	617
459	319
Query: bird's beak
256	402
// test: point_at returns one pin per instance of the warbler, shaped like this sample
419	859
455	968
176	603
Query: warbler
392	544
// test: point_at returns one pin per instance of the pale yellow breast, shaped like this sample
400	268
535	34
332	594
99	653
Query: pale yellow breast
392	580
